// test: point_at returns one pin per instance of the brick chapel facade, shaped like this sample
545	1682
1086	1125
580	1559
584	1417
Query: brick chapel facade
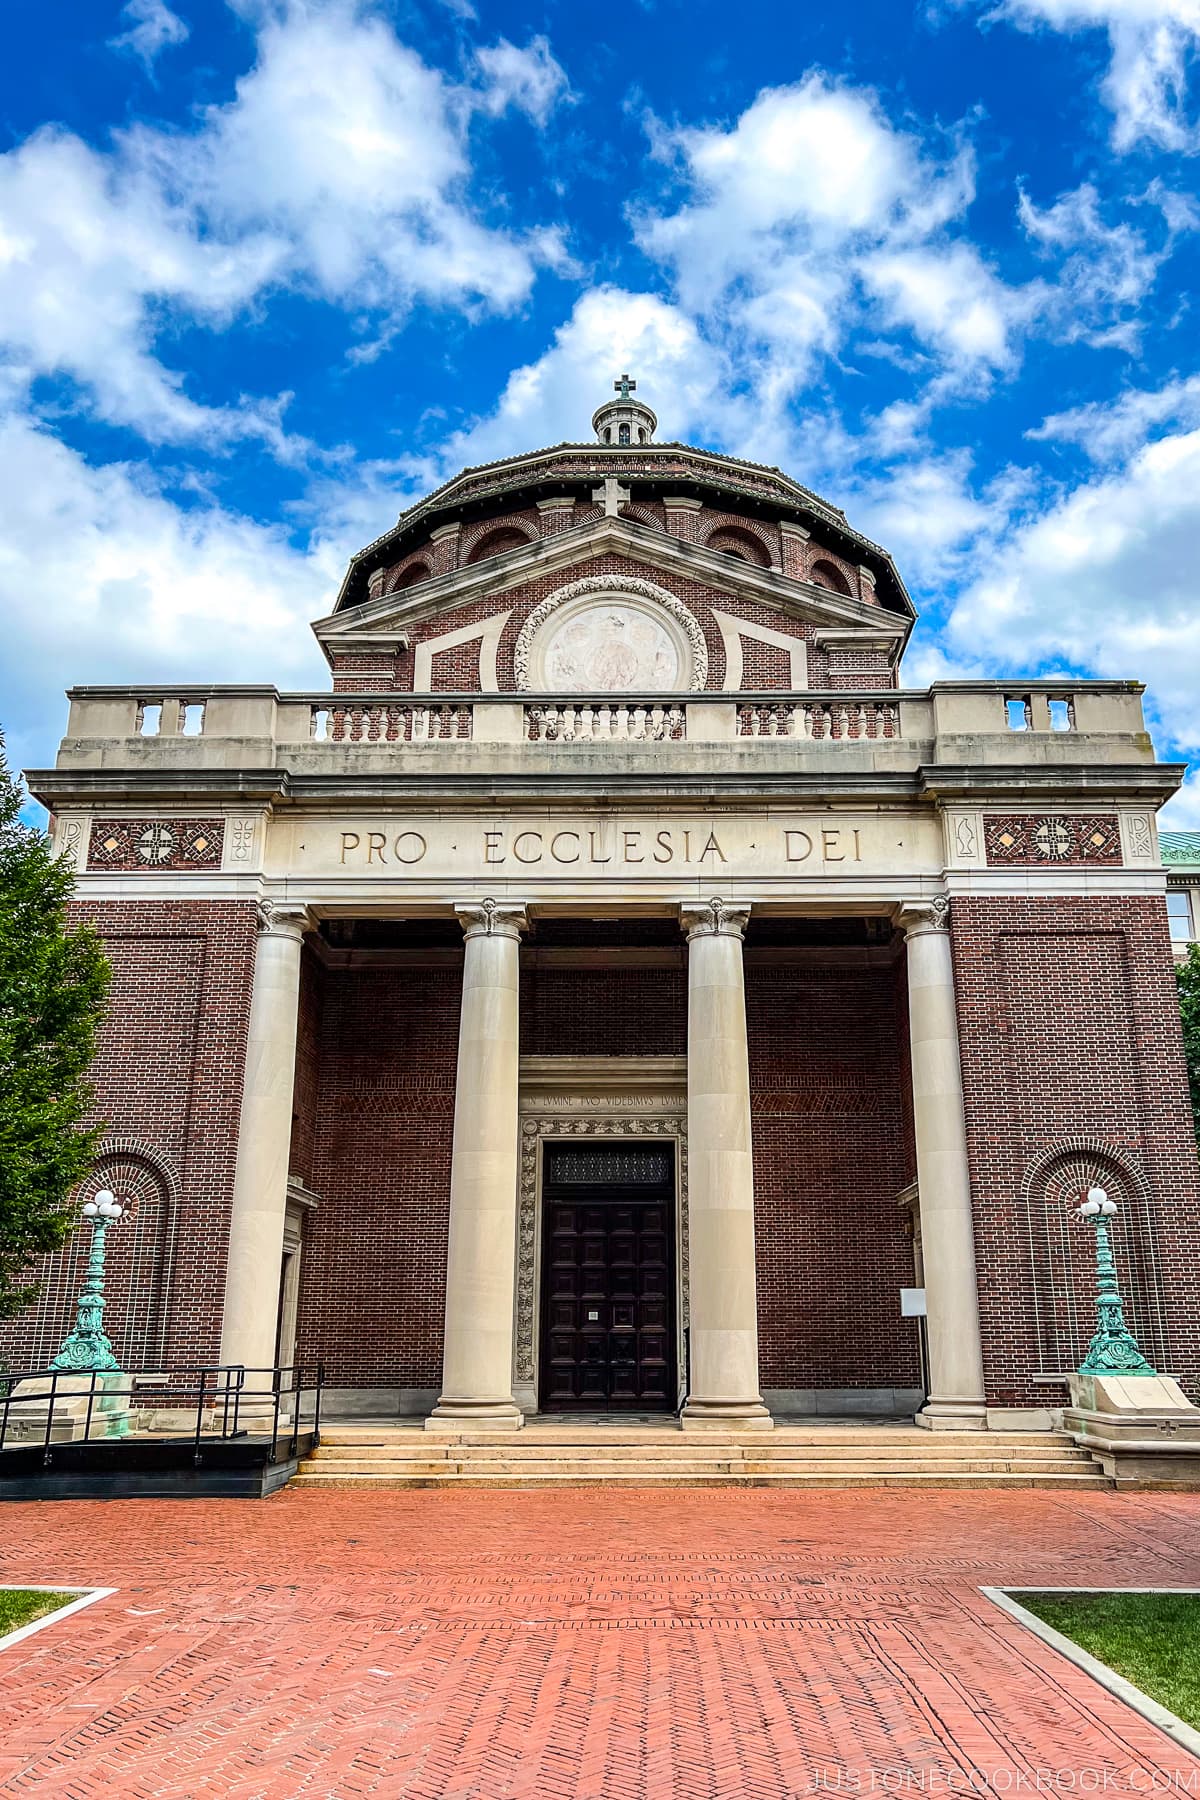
616	989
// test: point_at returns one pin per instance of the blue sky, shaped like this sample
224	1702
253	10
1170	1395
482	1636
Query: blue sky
268	272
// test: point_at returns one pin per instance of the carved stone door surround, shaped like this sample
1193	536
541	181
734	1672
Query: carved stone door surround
596	1097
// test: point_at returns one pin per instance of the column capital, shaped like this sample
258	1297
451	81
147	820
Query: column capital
491	918
714	918
916	916
283	918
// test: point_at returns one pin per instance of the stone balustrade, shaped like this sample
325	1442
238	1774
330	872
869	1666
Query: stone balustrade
601	721
953	724
357	722
819	720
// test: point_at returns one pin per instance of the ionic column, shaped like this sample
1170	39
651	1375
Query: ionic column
956	1397
723	1390
481	1265
264	1144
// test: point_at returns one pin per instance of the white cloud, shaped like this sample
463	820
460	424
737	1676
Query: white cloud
87	249
1152	44
1105	271
1182	813
951	300
341	167
343	144
105	577
1102	580
681	375
813	215
1108	431
153	28
529	79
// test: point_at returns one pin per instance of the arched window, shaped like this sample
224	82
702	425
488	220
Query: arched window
622	434
137	1272
409	577
826	574
732	542
1062	1250
495	543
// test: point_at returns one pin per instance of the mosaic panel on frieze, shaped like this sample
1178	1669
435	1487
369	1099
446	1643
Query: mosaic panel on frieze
1035	839
127	845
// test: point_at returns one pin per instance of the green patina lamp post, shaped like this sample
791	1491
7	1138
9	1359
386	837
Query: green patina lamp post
86	1348
1114	1349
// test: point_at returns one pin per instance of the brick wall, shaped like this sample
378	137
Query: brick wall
519	603
458	669
374	1263
1071	1048
832	1149
830	1155
168	1082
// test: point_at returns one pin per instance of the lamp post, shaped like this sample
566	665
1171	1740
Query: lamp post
86	1348
1114	1349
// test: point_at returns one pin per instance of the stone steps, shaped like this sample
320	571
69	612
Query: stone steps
1072	1480
689	1455
657	1456
587	1467
394	1439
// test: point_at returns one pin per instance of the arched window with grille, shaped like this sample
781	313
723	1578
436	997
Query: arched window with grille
137	1270
1062	1254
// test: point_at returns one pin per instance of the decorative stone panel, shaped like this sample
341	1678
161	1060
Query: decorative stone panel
548	1122
1035	839
156	844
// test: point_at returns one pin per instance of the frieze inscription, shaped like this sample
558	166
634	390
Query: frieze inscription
600	847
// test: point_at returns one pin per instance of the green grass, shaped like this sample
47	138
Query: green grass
17	1607
1152	1640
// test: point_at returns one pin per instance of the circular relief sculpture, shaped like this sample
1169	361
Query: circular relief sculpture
610	635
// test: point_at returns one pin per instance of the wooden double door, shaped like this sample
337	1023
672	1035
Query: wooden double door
608	1278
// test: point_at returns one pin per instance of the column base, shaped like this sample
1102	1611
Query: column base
725	1415
453	1416
952	1415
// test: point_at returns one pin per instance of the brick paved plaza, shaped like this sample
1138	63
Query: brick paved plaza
575	1646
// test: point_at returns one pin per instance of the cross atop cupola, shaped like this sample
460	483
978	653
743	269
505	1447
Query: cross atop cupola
624	423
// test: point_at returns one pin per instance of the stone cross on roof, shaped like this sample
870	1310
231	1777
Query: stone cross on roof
625	386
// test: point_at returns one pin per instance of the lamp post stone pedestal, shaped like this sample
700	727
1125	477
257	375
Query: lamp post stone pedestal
1139	1425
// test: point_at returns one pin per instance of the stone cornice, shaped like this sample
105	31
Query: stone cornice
128	788
1071	784
640	775
375	622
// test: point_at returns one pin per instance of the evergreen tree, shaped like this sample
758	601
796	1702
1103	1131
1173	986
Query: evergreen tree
1188	976
53	984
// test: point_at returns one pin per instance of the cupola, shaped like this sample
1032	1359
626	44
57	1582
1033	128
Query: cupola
624	421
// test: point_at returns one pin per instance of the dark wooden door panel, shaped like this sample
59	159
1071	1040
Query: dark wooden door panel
608	1307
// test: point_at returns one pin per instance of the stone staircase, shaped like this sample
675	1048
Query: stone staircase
546	1455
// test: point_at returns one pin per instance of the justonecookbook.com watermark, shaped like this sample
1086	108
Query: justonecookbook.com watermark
1076	1780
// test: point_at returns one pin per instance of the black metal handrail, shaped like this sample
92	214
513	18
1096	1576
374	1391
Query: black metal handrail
227	1402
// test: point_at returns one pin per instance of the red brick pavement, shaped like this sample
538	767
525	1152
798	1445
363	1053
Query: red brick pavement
630	1644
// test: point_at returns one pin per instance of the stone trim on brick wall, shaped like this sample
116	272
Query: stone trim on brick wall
557	1120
